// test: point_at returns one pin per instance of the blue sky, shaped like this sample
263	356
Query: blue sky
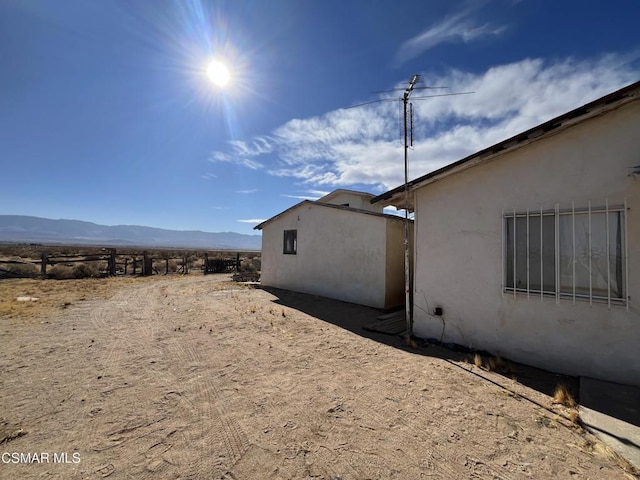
107	114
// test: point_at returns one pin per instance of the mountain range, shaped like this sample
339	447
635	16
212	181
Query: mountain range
25	229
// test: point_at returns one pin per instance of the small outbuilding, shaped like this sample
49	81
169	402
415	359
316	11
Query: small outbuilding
531	247
340	246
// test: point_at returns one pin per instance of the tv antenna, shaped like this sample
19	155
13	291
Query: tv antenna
408	141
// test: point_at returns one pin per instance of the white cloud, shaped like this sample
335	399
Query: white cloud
245	192
308	195
253	220
237	158
364	145
455	28
300	197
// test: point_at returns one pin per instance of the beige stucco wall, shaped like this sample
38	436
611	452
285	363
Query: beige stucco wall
353	199
395	262
458	258
340	254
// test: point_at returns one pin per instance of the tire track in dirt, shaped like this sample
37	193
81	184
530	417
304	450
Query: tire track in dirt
226	429
420	428
130	424
248	388
148	314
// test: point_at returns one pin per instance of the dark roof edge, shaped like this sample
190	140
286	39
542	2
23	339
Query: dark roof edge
262	224
541	130
330	205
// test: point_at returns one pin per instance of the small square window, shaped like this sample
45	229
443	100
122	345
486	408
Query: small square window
290	245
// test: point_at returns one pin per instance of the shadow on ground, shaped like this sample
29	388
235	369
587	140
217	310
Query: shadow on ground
354	318
619	402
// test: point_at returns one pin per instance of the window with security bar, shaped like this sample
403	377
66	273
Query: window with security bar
577	253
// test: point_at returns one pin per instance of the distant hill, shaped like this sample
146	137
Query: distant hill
24	229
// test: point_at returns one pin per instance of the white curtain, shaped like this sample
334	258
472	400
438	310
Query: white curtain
606	265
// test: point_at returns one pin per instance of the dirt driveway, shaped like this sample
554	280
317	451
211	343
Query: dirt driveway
199	378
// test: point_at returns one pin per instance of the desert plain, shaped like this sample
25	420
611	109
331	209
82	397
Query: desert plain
199	377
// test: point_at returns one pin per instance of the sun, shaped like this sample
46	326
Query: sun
218	73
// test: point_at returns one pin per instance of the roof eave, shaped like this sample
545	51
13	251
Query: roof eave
593	109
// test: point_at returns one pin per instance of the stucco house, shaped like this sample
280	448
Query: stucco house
531	247
340	246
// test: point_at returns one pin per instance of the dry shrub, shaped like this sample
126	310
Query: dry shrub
599	449
491	364
256	264
250	264
477	360
22	270
562	396
83	270
60	272
501	364
64	272
574	416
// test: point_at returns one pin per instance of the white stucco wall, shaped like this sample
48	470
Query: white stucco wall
458	257
395	289
340	254
352	199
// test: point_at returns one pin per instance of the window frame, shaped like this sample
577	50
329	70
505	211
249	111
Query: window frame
512	251
290	242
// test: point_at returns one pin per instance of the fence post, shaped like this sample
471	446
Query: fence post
206	263
237	262
112	262
43	265
166	270
146	264
186	266
135	262
126	261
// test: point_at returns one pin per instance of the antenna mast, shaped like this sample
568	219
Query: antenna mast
407	142
407	282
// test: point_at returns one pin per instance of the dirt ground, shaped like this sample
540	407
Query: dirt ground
197	377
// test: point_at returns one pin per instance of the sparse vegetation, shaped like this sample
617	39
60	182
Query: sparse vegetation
21	270
83	270
599	449
477	360
97	260
60	272
66	272
574	416
562	396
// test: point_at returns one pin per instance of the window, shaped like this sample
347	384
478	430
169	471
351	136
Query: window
290	244
576	253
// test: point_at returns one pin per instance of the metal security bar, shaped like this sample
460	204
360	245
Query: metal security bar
582	253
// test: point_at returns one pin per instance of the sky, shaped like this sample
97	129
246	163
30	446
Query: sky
108	114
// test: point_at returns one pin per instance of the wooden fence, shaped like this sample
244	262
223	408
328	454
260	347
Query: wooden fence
134	263
220	265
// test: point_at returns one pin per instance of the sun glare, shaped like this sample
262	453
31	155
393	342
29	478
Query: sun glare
218	73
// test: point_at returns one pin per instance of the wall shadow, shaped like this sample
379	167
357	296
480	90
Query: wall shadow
621	404
354	318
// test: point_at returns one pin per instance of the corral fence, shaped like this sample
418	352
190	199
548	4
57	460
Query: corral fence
220	265
126	263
